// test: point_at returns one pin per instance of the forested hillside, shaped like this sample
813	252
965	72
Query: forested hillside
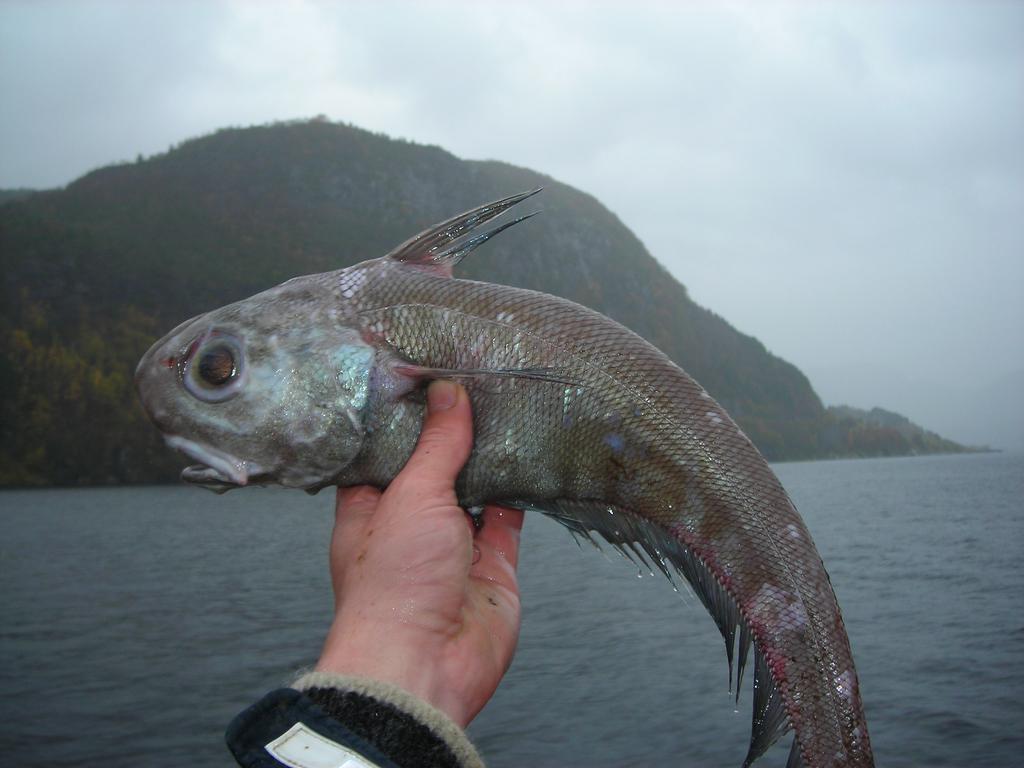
94	272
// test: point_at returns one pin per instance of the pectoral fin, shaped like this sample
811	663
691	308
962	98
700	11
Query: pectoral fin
552	375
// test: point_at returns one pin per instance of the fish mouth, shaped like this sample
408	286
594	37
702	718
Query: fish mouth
216	468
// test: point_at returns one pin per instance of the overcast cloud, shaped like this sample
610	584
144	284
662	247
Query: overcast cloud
844	181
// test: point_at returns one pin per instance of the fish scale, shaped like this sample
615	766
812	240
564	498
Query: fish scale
722	522
575	416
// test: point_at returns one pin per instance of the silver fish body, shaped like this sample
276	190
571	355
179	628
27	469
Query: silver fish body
316	382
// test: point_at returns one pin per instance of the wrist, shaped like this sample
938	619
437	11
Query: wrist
385	656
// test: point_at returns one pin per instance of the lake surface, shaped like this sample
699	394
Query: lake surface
138	621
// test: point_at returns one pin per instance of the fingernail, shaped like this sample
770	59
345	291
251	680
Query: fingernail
441	395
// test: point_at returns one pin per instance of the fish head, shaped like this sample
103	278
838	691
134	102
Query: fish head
271	389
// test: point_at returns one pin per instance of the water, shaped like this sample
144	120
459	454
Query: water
138	621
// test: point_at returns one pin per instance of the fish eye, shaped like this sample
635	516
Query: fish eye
214	370
217	365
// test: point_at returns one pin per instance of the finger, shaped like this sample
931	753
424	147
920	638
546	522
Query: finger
445	441
498	543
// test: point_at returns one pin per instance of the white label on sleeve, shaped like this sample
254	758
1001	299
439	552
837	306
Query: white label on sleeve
302	747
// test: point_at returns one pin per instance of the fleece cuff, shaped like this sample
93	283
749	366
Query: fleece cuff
407	729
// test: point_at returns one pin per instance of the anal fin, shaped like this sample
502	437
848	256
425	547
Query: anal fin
795	759
770	721
633	536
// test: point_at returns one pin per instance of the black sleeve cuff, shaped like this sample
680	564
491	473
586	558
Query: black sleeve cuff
382	724
253	729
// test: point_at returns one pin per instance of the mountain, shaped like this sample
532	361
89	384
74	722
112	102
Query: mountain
94	272
855	432
7	195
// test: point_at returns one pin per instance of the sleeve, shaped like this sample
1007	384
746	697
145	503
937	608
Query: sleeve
333	721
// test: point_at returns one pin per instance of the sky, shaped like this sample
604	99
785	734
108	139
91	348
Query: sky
844	180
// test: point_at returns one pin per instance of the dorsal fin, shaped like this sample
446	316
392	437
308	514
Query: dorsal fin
440	247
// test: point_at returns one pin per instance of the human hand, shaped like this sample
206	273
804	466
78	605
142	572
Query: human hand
420	602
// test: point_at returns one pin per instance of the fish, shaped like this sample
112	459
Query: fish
319	382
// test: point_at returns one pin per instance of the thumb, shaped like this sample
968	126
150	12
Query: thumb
445	440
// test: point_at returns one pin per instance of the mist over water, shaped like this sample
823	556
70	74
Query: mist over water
138	621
